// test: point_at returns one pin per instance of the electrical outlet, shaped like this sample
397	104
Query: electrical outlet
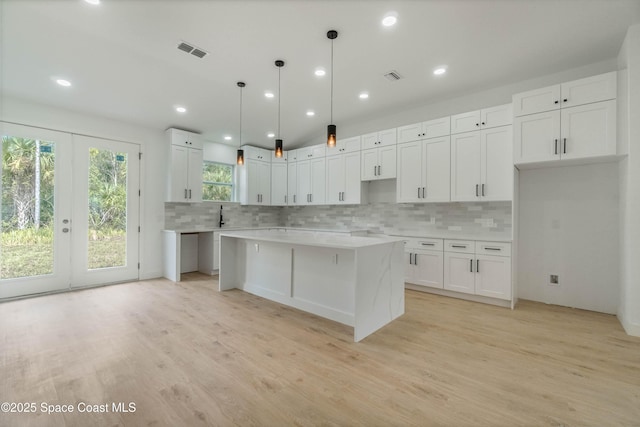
553	280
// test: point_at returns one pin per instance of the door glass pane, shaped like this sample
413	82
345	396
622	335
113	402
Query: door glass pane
107	227
27	205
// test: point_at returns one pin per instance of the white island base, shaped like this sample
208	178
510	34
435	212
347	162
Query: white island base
357	281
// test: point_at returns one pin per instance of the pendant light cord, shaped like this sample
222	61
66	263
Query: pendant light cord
279	68
240	142
331	109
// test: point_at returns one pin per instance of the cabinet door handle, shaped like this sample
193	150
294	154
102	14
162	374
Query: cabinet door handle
410	254
285	199
428	244
471	266
477	194
185	193
477	266
555	150
565	100
492	249
564	149
189	193
482	190
294	198
415	259
257	198
423	192
477	124
482	123
375	171
418	192
459	246
379	170
555	102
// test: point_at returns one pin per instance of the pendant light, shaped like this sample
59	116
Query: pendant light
279	64
240	158
331	129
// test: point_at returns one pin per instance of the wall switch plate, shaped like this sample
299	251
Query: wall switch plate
553	280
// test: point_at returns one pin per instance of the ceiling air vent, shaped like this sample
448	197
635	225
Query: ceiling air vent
186	47
392	76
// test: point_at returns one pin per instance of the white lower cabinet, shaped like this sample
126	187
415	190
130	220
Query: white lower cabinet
424	262
478	267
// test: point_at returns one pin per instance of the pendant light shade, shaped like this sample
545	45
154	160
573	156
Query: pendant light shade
331	129
240	155
279	64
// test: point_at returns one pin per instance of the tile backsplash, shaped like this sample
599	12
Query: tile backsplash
420	219
484	219
206	215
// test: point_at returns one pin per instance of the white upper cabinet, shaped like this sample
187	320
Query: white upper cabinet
579	124
423	172
378	163
314	151
283	159
347	145
598	88
184	182
379	139
429	129
481	165
254	177
279	195
501	115
292	183
311	182
343	179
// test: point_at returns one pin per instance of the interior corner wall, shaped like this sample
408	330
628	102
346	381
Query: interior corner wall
151	170
629	187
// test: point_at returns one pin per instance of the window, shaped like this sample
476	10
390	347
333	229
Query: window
217	182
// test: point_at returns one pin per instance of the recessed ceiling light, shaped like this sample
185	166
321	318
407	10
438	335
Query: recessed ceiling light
269	94
440	71
271	135
181	109
63	82
390	19
311	113
94	2
363	95
227	138
320	72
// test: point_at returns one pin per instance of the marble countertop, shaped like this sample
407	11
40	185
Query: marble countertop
479	237
309	238
225	229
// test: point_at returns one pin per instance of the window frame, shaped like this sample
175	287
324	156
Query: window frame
221	184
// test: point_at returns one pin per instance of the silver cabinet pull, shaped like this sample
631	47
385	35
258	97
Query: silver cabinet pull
423	192
477	194
564	150
65	230
415	259
185	193
379	170
428	244
471	265
482	190
294	198
492	249
375	171
477	266
459	246
257	198
189	193
418	192
555	150
285	198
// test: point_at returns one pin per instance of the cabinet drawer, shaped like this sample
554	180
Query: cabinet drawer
493	248
425	244
463	246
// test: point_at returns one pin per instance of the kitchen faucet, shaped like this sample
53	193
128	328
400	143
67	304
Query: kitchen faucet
221	222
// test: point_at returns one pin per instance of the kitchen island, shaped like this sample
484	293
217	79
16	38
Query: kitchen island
354	280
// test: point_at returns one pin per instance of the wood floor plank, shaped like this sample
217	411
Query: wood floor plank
186	354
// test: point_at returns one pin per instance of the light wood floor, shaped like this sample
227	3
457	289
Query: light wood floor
188	355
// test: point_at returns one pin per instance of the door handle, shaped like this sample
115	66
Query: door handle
285	198
294	198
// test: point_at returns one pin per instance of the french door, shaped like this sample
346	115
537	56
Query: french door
69	211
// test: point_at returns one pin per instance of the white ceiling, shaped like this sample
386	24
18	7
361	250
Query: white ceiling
123	61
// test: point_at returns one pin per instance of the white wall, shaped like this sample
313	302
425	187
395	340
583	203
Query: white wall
629	187
568	225
152	167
